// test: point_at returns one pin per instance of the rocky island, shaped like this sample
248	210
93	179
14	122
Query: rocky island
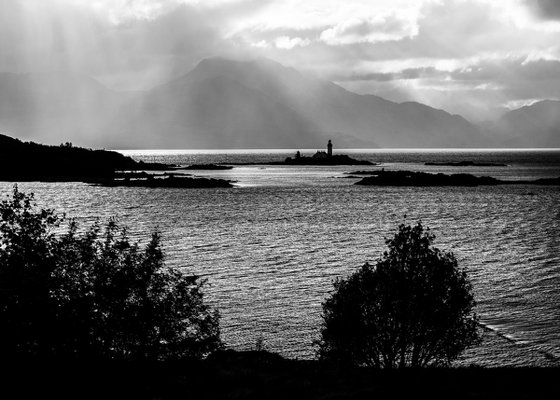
324	158
411	178
209	167
321	157
465	164
165	181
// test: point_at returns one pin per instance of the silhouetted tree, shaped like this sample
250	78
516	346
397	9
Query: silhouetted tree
94	294
414	308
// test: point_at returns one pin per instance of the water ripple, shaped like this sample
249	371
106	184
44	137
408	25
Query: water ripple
270	253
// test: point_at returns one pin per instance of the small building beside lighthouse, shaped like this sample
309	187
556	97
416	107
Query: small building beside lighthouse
324	154
322	157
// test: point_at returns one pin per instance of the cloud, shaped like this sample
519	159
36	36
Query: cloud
377	29
468	57
121	11
545	9
408	73
46	35
285	42
515	104
459	55
127	44
475	90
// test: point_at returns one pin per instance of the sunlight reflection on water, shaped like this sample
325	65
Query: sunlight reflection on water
271	247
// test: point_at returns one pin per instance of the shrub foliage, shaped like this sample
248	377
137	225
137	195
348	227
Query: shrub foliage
94	294
414	308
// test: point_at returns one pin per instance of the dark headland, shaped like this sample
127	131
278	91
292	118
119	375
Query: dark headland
411	178
28	161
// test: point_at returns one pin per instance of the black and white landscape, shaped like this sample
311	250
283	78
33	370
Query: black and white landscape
279	199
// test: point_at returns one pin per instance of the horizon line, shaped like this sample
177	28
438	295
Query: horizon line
387	149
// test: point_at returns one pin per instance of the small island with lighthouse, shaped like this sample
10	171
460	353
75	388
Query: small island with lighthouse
322	157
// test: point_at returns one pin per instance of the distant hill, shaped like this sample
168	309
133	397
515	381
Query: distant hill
537	125
256	103
241	104
215	112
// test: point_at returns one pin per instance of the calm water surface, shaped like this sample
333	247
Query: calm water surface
271	247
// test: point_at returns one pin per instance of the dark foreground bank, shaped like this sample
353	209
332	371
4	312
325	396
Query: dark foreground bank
262	375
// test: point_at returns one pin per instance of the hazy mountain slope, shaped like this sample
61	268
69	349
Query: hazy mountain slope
224	103
216	112
337	111
55	108
255	104
537	125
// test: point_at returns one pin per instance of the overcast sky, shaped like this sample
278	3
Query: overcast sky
469	57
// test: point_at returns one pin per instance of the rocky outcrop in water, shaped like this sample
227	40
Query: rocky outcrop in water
339	159
411	178
209	167
466	164
166	181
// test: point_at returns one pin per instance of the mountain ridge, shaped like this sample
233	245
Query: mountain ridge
224	103
535	125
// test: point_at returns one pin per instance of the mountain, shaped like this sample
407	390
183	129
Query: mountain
349	119
229	104
217	111
537	125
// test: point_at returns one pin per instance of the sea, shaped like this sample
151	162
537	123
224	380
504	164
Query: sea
270	247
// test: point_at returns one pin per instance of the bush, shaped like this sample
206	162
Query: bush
414	308
95	294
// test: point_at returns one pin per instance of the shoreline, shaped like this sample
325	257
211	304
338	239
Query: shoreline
264	375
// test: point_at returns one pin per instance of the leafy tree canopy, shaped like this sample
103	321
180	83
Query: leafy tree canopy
94	294
414	308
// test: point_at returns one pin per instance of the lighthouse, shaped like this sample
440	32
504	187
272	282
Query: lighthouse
329	149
